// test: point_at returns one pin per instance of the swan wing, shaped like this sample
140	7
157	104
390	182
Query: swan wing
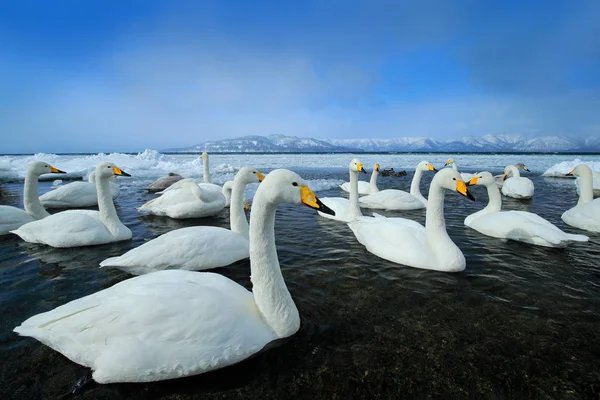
391	199
76	194
193	248
12	217
182	203
520	188
585	216
164	325
340	205
363	187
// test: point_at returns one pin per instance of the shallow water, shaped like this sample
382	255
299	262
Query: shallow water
520	322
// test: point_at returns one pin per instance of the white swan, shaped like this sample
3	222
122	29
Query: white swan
164	182
393	199
73	228
586	214
12	217
346	210
515	185
516	225
365	187
175	323
196	247
206	185
77	194
407	242
595	184
465	176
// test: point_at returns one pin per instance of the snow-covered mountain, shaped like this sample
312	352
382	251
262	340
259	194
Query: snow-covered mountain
483	144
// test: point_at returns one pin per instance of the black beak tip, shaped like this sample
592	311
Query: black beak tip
58	171
363	171
324	209
569	174
470	196
435	170
123	173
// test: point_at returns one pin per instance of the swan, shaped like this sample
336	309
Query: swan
74	228
171	324
12	217
465	177
164	182
516	225
500	178
586	214
78	194
206	185
393	199
595	184
515	185
407	242
346	210
196	247
365	187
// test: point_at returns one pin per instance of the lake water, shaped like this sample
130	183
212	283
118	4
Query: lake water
520	322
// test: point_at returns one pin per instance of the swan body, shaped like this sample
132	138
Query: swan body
197	247
164	182
465	176
77	194
515	185
407	242
346	210
73	228
393	199
175	323
515	225
12	218
586	214
365	187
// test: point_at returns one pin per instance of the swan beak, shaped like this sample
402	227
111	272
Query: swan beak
570	173
360	168
505	177
377	167
447	162
432	168
461	188
309	199
526	169
246	205
261	177
56	170
118	171
473	181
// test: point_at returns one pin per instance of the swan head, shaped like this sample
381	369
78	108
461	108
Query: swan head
579	170
522	166
249	175
356	166
284	186
508	171
450	179
107	170
426	166
482	179
204	155
376	167
40	168
450	161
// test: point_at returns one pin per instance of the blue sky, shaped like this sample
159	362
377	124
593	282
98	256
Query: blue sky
128	75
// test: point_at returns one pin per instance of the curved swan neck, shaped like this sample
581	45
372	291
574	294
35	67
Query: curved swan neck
106	207
31	199
435	224
586	188
415	184
454	167
514	171
354	207
373	181
270	292
206	169
237	218
495	200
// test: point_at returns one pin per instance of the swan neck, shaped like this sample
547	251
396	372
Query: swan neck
106	207
415	184
514	171
373	181
31	199
270	292
435	224
495	199
206	174
586	189
237	217
454	167
354	206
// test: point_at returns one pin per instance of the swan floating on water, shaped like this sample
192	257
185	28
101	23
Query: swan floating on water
205	185
365	187
407	242
196	247
164	182
586	214
78	194
171	324
73	228
12	218
393	199
515	185
465	176
516	225
346	210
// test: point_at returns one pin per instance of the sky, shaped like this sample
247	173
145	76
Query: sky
103	76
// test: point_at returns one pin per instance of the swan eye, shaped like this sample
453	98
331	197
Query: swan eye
453	179
295	183
108	167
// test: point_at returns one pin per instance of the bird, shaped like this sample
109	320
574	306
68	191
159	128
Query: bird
586	213
365	187
346	210
515	185
78	194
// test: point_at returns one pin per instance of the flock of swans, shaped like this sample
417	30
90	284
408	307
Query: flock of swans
172	322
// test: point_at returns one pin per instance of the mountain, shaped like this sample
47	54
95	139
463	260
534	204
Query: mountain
479	144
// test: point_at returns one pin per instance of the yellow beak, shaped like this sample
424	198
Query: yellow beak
473	181
309	199
118	171
261	177
56	170
461	188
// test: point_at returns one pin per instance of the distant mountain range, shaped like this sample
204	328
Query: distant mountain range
480	144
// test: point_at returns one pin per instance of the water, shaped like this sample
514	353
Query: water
520	322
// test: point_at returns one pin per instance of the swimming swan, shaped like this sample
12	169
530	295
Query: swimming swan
77	194
346	210
407	242
515	185
516	225
206	185
365	187
465	176
195	247
171	324
586	214
393	199
12	217
74	228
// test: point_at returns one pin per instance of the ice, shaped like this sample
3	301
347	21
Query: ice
57	182
560	169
